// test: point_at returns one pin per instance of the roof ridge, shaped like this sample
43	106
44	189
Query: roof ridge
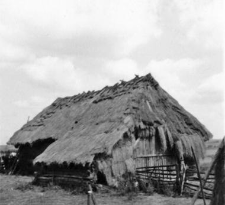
107	92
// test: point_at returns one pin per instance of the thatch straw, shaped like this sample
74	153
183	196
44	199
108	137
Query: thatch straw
179	152
130	165
152	131
194	141
162	138
186	144
81	149
169	138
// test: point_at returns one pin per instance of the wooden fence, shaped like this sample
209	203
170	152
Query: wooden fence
70	181
192	183
159	175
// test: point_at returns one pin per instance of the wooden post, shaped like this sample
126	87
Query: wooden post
15	166
158	179
208	171
146	159
183	177
91	196
199	176
88	199
93	199
177	177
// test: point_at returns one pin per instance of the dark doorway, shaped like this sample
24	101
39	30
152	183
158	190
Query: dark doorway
101	179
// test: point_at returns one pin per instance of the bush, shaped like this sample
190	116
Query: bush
146	187
127	185
150	188
166	190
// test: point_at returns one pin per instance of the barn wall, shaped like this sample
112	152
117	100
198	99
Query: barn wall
120	162
153	148
122	157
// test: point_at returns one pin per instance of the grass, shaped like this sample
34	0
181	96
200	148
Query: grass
18	190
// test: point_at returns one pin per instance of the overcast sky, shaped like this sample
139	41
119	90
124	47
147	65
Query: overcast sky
51	49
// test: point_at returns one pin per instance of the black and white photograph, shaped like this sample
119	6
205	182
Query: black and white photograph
112	102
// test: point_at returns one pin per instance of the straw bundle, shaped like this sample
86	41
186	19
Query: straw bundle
194	141
130	165
152	131
186	144
162	138
179	152
169	138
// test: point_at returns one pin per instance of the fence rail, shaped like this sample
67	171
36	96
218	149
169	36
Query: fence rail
192	183
61	179
159	175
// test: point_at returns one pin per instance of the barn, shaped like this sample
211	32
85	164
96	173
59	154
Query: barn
116	129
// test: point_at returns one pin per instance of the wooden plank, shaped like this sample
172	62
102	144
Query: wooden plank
196	178
157	172
157	179
152	170
207	195
206	188
166	169
155	176
164	181
152	167
65	176
153	155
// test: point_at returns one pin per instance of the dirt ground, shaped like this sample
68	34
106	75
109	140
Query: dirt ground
16	190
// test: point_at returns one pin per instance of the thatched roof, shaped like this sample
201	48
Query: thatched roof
92	122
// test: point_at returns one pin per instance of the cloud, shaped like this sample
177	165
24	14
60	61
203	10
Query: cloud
12	54
61	75
211	115
52	71
22	103
122	69
203	20
213	84
116	26
35	101
175	75
211	90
